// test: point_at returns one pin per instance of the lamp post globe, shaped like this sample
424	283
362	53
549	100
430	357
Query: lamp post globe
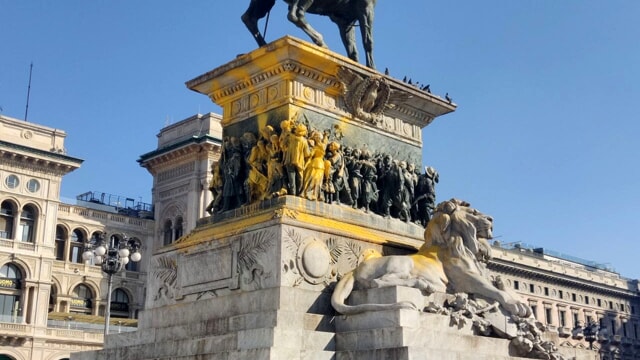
112	257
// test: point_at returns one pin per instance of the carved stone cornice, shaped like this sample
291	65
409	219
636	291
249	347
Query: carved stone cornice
162	158
284	70
289	71
520	270
40	161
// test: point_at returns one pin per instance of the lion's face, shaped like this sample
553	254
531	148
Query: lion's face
483	223
456	218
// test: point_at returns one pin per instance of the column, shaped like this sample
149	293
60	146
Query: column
25	302
17	229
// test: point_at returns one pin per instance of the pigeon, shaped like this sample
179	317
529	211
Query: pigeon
446	96
386	71
427	88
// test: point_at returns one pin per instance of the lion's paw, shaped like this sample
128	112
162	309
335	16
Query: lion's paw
518	308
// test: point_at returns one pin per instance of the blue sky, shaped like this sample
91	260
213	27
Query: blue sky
544	138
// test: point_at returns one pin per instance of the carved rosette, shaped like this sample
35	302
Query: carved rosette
314	262
318	261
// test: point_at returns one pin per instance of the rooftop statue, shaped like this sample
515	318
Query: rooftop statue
345	13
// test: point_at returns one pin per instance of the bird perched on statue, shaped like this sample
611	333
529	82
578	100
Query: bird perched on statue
404	79
449	99
386	71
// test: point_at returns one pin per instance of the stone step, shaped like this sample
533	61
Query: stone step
396	337
304	339
410	319
416	353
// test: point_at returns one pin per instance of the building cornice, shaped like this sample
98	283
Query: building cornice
524	271
20	155
182	148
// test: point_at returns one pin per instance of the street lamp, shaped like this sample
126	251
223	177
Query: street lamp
112	257
591	333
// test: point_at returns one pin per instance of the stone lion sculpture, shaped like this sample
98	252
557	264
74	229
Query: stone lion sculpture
451	260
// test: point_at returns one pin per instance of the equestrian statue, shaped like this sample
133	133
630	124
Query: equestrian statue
345	13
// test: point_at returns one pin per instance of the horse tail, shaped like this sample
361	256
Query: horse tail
343	289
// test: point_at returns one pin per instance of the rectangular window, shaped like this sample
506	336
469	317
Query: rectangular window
573	297
562	318
613	327
547	315
132	266
75	255
532	288
560	294
516	284
534	310
6	227
575	319
59	250
586	300
27	231
546	291
599	303
9	308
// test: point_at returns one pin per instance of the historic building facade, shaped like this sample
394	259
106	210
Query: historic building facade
567	294
51	301
181	169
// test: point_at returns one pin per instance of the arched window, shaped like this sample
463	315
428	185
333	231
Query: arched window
11	272
7	213
81	301
27	223
10	292
76	246
95	237
178	228
114	241
61	237
119	303
168	233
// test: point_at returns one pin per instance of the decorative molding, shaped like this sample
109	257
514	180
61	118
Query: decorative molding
176	172
285	213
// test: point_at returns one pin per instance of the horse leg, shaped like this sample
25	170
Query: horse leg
347	33
297	10
365	19
257	10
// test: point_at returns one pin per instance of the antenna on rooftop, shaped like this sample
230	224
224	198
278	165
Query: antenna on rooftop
26	110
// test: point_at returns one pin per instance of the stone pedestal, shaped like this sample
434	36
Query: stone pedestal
255	282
